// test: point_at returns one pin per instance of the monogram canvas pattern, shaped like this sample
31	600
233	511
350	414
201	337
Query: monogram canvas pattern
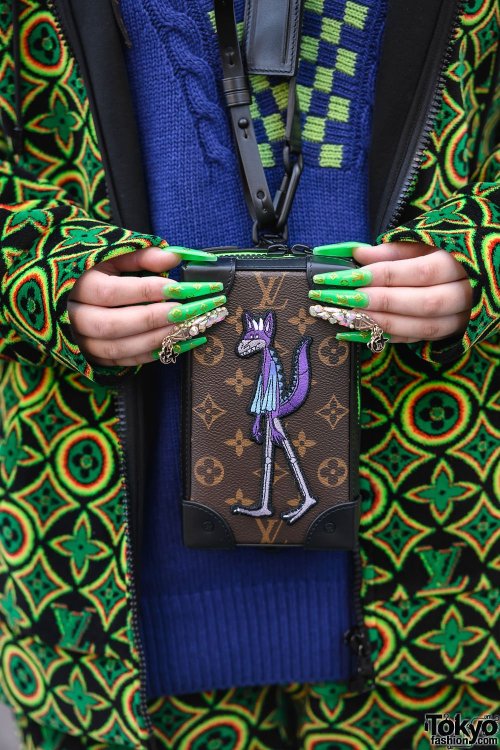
255	418
69	662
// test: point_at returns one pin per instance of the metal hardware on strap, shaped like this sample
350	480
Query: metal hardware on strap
270	216
236	91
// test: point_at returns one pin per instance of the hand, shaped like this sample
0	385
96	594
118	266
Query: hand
412	291
122	320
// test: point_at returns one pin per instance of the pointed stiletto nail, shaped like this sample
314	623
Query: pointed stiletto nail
360	337
183	346
186	346
187	253
356	277
348	299
188	289
340	250
189	310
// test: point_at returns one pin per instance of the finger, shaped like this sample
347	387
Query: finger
142	359
115	351
392	251
433	301
103	290
119	322
435	268
420	329
154	259
157	259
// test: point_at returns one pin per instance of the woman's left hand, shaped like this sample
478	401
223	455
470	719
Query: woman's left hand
412	291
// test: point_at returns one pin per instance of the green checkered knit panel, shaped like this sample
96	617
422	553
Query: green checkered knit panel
339	50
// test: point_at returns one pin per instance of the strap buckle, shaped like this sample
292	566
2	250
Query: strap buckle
286	193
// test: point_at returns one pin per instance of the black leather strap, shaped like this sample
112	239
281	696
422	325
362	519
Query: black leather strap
269	216
238	100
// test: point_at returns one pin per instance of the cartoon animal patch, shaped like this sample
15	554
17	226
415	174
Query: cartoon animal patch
273	400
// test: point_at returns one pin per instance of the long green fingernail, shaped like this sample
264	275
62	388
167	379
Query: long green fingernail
183	346
340	250
179	313
186	346
355	277
358	337
187	289
348	299
187	253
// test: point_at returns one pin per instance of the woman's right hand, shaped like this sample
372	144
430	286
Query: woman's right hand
122	320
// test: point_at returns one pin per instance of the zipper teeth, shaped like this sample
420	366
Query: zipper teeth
18	133
263	254
121	430
426	131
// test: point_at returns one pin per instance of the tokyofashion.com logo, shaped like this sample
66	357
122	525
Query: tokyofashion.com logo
445	729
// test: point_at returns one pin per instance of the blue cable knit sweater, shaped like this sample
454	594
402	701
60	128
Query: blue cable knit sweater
250	617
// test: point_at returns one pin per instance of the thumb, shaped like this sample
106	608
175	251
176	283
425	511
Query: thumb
153	259
391	251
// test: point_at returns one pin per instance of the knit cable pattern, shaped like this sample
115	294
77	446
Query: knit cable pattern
182	39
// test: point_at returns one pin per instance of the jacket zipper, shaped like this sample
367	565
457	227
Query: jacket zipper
357	637
18	129
415	151
130	523
128	509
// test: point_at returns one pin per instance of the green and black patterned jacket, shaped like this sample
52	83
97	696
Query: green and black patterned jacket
70	479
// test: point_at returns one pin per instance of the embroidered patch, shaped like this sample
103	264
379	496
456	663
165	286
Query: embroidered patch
272	400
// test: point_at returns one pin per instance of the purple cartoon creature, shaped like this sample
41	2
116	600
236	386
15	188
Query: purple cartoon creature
272	401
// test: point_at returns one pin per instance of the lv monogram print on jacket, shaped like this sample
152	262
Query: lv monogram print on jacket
68	655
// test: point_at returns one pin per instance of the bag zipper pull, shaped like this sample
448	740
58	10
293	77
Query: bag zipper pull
300	249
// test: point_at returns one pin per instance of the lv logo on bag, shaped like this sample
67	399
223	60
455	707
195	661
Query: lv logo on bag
272	401
270	288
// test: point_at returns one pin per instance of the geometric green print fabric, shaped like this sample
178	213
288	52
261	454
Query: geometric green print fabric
430	449
322	717
430	520
65	632
67	654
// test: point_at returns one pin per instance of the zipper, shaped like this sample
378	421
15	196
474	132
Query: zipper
121	412
131	519
357	638
18	129
415	147
117	12
270	250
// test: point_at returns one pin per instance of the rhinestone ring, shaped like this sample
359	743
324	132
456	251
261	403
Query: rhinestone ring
353	319
187	330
